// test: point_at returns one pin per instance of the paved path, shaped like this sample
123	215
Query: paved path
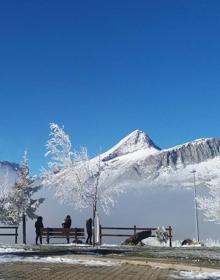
38	271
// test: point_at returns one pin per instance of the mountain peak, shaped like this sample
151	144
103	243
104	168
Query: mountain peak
135	141
139	139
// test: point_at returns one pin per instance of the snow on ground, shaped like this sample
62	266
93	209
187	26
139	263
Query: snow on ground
9	249
6	255
198	275
56	260
209	242
109	245
152	241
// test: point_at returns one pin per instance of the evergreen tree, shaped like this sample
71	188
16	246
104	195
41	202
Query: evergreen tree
19	202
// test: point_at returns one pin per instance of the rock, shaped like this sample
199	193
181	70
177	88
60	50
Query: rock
77	241
187	242
191	242
136	238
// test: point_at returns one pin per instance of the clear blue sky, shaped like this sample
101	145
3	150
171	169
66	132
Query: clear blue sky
105	68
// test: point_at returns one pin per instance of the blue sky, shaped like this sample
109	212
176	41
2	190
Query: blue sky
105	68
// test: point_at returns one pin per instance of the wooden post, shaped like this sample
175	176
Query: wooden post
24	228
16	235
76	235
48	238
100	234
135	229
170	236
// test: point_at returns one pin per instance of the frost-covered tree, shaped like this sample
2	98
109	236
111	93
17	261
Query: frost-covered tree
210	204
78	180
59	148
4	195
18	202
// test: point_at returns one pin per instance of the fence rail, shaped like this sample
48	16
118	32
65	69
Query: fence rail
134	230
15	233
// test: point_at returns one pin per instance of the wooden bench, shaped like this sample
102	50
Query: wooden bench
76	233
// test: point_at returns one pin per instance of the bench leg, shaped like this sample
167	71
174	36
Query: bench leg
68	240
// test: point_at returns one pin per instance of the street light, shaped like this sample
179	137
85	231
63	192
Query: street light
196	207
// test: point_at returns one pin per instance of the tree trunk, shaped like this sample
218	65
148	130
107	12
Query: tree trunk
24	228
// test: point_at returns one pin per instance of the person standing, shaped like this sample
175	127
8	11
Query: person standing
38	226
89	231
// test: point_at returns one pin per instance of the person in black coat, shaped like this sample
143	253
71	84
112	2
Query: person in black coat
38	226
89	231
67	222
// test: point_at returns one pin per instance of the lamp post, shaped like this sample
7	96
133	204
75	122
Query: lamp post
196	206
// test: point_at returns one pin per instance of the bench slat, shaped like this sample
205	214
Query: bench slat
60	234
64	232
61	229
57	236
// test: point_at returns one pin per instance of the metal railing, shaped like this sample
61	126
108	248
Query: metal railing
15	233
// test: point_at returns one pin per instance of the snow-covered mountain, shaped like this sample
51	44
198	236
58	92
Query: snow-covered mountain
136	158
10	166
134	142
8	172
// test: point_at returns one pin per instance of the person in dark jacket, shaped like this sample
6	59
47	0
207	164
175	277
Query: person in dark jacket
38	226
89	231
67	222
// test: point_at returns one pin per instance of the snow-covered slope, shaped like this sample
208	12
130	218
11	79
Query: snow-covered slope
137	159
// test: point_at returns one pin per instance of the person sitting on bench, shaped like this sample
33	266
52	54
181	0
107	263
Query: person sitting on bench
67	222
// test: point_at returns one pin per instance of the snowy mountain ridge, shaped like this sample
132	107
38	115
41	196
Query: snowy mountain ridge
135	141
136	157
200	149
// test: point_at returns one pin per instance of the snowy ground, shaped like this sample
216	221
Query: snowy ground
13	258
10	254
198	275
152	241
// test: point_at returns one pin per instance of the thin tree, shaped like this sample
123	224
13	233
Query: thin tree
78	180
